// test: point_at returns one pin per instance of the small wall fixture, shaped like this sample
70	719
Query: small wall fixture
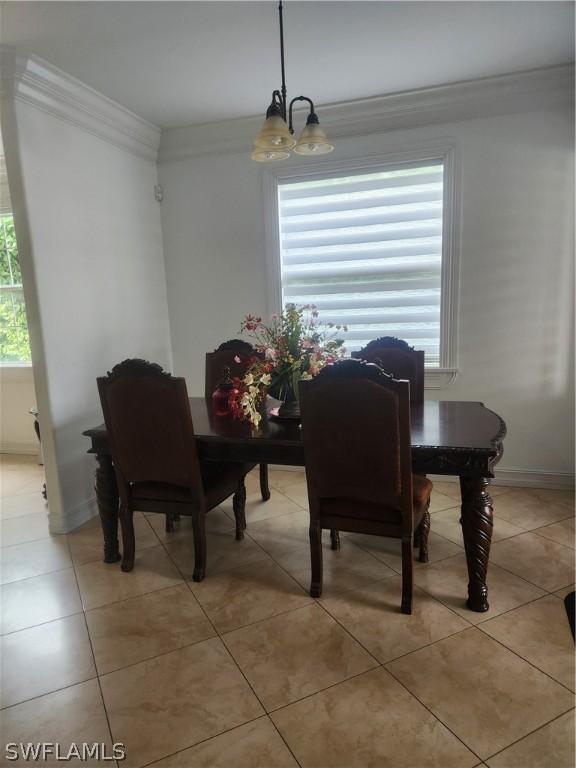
276	139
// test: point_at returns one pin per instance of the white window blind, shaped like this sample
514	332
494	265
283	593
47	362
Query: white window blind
366	249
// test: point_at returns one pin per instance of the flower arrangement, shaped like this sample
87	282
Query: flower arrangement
294	345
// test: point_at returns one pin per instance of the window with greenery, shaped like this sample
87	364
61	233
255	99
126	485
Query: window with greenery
14	342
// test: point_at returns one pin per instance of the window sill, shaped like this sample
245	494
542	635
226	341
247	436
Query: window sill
15	372
439	378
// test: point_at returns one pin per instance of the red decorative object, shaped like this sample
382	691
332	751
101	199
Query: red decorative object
223	394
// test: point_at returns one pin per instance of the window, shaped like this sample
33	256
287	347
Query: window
370	247
14	343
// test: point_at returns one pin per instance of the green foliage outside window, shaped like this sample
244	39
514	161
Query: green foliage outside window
14	341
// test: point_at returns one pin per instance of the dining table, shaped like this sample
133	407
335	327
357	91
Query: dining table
454	438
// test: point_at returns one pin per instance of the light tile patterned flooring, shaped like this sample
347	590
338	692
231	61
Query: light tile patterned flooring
246	670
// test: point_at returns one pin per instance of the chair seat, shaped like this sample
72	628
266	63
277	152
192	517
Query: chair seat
220	480
342	507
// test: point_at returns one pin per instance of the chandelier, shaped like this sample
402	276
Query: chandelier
276	135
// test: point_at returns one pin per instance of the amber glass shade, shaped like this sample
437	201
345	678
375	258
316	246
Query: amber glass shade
274	134
313	141
269	155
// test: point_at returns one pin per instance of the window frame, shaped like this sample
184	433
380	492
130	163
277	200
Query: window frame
448	152
18	289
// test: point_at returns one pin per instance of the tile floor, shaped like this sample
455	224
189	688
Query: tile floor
245	670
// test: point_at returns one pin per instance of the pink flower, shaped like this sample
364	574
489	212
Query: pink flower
237	359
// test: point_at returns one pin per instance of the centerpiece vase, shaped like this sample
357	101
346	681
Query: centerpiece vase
287	392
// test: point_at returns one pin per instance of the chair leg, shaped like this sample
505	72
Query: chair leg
169	523
128	538
198	526
239	507
316	558
264	488
407	554
334	539
423	531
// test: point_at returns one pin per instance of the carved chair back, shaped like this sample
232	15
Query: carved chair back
356	434
149	424
400	360
227	354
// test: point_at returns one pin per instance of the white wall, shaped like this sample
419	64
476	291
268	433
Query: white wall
89	236
516	328
17	396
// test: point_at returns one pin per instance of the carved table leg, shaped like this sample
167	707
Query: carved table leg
239	507
107	498
477	531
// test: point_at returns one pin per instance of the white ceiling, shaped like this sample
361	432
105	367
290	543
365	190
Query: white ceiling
179	63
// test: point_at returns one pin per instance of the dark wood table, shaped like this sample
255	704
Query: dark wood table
448	438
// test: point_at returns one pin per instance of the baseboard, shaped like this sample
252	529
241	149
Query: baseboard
285	468
524	478
514	478
74	517
29	449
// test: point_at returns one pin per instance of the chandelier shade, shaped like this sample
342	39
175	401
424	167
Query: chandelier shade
275	138
269	155
313	140
274	134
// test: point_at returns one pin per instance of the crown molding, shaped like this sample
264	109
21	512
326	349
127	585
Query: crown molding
32	80
517	92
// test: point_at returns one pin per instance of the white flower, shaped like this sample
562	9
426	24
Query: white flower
249	379
265	379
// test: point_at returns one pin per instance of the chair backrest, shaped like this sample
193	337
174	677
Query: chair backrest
399	359
225	355
149	425
356	434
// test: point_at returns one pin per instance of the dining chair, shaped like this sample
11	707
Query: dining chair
399	359
151	434
235	354
357	449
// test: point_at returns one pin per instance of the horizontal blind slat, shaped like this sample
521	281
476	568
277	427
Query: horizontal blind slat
432	193
355	184
362	216
377	233
338	302
356	284
414	248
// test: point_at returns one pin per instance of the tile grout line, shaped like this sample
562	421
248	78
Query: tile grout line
527	661
265	716
220	637
539	728
379	665
300	586
382	664
94	659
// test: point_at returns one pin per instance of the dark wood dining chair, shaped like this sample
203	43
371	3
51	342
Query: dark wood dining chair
153	448
357	448
235	354
398	359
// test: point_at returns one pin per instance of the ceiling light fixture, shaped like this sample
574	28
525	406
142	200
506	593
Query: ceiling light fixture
275	139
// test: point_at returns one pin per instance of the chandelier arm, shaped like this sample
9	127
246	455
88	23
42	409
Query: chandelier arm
298	98
282	65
